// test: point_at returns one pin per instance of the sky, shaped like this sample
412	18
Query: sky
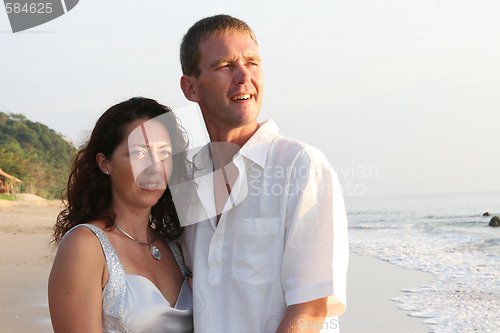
402	96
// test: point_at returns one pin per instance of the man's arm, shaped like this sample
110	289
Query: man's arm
302	317
316	252
310	316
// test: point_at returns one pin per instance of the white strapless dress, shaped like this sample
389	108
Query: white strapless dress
132	303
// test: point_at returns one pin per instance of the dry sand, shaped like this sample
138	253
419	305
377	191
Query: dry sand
26	257
25	260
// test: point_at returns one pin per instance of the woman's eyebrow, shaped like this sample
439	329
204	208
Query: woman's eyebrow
137	145
143	145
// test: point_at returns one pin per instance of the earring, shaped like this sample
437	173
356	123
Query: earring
107	172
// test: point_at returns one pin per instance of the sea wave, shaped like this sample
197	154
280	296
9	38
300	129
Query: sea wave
460	250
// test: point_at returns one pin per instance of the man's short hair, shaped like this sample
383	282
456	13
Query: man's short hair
208	27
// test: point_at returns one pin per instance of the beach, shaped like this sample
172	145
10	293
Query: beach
26	257
444	235
25	260
371	284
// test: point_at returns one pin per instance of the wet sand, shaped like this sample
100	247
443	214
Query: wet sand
371	284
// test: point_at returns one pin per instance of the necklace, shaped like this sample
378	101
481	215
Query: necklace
155	252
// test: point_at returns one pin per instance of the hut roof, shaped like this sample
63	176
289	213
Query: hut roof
6	175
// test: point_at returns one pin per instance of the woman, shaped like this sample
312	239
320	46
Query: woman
118	267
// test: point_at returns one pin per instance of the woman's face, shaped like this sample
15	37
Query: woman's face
142	164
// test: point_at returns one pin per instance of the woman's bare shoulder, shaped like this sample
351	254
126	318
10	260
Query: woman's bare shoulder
81	241
76	281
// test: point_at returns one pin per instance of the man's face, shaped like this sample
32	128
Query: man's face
230	85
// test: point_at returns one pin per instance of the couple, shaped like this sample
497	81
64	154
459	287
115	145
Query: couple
261	261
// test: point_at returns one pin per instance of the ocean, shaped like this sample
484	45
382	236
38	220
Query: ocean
445	235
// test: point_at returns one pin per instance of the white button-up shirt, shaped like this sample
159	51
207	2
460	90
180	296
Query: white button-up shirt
281	240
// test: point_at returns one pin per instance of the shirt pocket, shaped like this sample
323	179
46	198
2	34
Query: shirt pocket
256	250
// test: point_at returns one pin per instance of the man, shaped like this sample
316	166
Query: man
267	242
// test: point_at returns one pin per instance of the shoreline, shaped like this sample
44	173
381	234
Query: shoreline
26	257
371	284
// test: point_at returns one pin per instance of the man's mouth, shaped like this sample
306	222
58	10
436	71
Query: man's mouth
241	97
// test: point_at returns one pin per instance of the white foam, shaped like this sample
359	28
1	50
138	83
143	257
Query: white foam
462	254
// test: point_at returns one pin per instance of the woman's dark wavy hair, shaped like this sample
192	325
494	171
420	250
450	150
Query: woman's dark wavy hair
88	194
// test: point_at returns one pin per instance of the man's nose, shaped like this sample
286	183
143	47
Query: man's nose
242	74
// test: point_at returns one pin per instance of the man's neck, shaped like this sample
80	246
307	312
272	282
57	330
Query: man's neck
238	136
225	173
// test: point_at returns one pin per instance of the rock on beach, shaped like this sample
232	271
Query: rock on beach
494	222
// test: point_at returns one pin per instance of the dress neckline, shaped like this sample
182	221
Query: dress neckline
157	290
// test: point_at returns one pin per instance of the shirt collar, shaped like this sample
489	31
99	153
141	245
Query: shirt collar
257	147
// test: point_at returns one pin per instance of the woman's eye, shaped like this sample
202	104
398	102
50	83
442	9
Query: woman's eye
138	154
165	153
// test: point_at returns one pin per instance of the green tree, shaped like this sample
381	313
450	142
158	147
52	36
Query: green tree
34	153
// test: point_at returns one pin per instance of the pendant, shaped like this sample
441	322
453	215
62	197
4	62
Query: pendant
155	252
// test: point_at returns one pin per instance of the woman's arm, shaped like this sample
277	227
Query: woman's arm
75	284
